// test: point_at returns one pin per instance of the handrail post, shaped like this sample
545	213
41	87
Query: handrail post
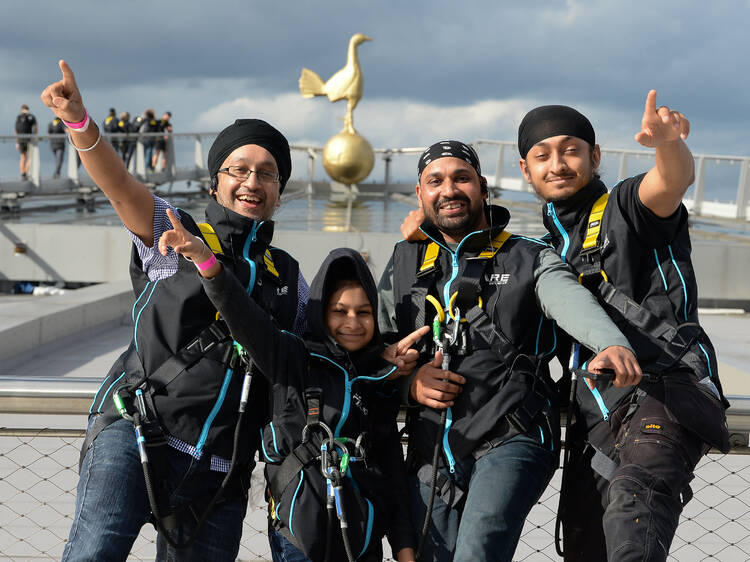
500	168
699	194
171	168
198	153
622	173
743	189
140	158
35	168
72	163
310	178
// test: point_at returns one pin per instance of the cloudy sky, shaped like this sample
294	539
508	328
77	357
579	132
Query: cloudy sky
434	69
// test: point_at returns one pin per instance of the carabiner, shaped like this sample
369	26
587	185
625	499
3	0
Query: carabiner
452	300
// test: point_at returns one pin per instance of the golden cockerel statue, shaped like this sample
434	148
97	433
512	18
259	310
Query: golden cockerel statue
345	84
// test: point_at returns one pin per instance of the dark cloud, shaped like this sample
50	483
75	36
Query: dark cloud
600	56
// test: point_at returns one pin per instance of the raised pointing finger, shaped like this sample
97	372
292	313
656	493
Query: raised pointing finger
651	102
69	79
175	221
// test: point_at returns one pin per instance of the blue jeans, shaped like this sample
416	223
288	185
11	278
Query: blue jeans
282	550
112	505
501	488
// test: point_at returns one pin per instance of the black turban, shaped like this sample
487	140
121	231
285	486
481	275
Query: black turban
550	121
251	131
449	149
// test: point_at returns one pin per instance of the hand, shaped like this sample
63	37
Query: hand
402	355
660	125
406	555
181	241
410	227
434	387
64	98
622	361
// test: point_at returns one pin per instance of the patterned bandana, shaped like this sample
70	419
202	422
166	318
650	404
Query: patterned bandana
448	149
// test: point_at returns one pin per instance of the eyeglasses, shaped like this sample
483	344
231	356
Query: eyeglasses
242	173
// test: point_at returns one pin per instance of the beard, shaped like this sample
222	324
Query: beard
457	224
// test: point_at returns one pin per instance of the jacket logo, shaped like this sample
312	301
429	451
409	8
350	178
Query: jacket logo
360	403
498	279
281	291
655	426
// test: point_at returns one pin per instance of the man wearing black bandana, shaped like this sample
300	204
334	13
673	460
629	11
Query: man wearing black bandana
181	378
488	292
633	450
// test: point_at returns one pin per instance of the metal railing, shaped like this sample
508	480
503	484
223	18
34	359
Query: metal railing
38	476
396	173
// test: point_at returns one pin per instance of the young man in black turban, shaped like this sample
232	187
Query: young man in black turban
633	450
181	381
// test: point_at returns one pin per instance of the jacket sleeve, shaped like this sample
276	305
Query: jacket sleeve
387	448
386	305
251	326
572	306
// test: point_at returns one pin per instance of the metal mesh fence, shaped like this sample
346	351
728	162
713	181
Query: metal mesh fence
39	473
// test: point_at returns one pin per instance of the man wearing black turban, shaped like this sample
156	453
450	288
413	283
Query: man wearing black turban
632	450
181	380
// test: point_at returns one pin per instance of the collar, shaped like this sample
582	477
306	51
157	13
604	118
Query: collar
497	217
234	229
574	209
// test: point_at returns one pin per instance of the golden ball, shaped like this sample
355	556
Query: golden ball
348	157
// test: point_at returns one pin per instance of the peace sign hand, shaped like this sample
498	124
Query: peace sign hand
181	241
64	98
660	125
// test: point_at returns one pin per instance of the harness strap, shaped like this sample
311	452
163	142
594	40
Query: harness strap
467	285
303	454
595	222
211	238
446	488
591	271
211	335
674	348
314	399
481	325
430	257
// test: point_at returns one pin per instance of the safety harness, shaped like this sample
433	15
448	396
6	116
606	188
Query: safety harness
134	402
334	454
677	343
452	334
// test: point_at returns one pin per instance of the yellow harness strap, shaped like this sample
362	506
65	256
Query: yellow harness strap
268	260
495	245
433	250
210	237
213	242
592	230
595	222
430	255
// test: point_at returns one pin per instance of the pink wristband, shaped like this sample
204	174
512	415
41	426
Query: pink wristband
81	124
208	264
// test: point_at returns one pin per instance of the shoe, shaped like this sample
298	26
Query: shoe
24	177
55	176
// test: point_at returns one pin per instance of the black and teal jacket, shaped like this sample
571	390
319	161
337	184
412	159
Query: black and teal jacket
356	401
507	291
648	259
197	403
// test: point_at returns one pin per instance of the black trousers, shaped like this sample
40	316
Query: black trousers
633	515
